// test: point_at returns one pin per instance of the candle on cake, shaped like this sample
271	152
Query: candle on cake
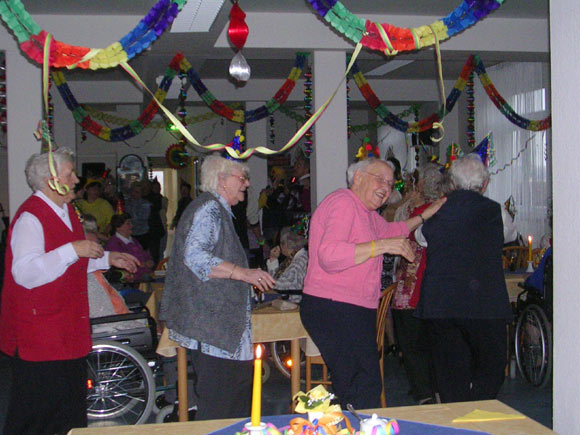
257	390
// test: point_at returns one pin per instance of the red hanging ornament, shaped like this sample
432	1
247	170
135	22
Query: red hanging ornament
238	30
238	33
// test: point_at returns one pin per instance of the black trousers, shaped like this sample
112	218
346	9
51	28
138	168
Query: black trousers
345	334
469	357
412	337
47	397
223	387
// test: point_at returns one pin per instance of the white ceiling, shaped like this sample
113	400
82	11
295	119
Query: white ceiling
275	63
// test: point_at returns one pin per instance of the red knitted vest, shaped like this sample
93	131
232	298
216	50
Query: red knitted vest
49	322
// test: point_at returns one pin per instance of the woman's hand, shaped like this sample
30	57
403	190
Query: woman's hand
257	277
274	253
433	208
88	249
125	261
396	246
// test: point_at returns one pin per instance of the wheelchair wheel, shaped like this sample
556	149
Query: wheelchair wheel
121	388
281	356
533	346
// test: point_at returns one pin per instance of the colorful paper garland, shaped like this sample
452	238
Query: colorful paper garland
177	64
134	127
473	63
241	116
392	39
32	38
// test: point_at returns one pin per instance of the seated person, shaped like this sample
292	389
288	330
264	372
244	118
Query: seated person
290	274
104	300
121	240
536	279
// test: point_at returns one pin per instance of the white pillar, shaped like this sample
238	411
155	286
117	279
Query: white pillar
24	110
565	63
330	157
64	123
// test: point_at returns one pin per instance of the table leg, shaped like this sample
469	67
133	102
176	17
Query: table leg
182	383
295	372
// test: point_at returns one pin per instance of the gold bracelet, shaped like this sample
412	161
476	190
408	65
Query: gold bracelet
372	248
232	272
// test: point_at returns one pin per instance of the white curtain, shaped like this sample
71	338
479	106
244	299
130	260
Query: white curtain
528	178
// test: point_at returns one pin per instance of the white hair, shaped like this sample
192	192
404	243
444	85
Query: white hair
361	165
469	173
215	165
293	241
37	169
432	181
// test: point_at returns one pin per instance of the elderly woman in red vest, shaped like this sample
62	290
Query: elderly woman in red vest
44	317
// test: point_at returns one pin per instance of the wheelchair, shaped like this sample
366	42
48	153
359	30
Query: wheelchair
533	331
121	388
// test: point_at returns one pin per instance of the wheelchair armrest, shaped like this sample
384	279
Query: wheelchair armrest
120	317
289	291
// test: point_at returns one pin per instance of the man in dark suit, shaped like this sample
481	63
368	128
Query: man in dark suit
463	294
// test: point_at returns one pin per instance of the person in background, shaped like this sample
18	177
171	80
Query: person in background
510	231
290	274
104	300
184	200
206	300
140	210
273	201
463	294
44	314
302	183
96	206
157	220
347	239
411	332
122	240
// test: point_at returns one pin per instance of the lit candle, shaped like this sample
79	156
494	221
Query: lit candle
529	248
257	390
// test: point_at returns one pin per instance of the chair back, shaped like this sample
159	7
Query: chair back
162	265
515	257
385	302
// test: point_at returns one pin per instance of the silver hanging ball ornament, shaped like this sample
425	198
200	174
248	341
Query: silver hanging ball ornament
239	68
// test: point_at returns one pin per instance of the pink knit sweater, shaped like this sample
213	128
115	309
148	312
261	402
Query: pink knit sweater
339	223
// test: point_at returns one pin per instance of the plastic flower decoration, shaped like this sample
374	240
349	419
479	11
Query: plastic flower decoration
367	150
315	400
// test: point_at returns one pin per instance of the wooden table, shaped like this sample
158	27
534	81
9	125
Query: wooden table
268	324
442	414
512	279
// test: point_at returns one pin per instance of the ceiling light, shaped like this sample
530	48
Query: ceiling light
388	67
196	16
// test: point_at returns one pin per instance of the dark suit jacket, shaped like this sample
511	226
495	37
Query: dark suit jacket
464	277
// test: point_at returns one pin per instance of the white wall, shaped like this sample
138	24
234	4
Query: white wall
565	15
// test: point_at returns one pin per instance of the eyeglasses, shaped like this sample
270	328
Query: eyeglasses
382	180
243	178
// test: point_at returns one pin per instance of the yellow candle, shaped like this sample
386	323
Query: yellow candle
529	248
257	390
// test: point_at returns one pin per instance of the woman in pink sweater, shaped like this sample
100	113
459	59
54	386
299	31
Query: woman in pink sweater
342	285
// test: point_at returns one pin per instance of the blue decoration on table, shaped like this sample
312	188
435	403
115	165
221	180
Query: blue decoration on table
406	427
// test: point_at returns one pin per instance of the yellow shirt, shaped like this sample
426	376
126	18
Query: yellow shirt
101	209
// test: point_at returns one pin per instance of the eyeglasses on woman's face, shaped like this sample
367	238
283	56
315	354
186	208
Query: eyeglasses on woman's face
243	178
382	180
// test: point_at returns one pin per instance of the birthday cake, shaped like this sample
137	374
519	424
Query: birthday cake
323	418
